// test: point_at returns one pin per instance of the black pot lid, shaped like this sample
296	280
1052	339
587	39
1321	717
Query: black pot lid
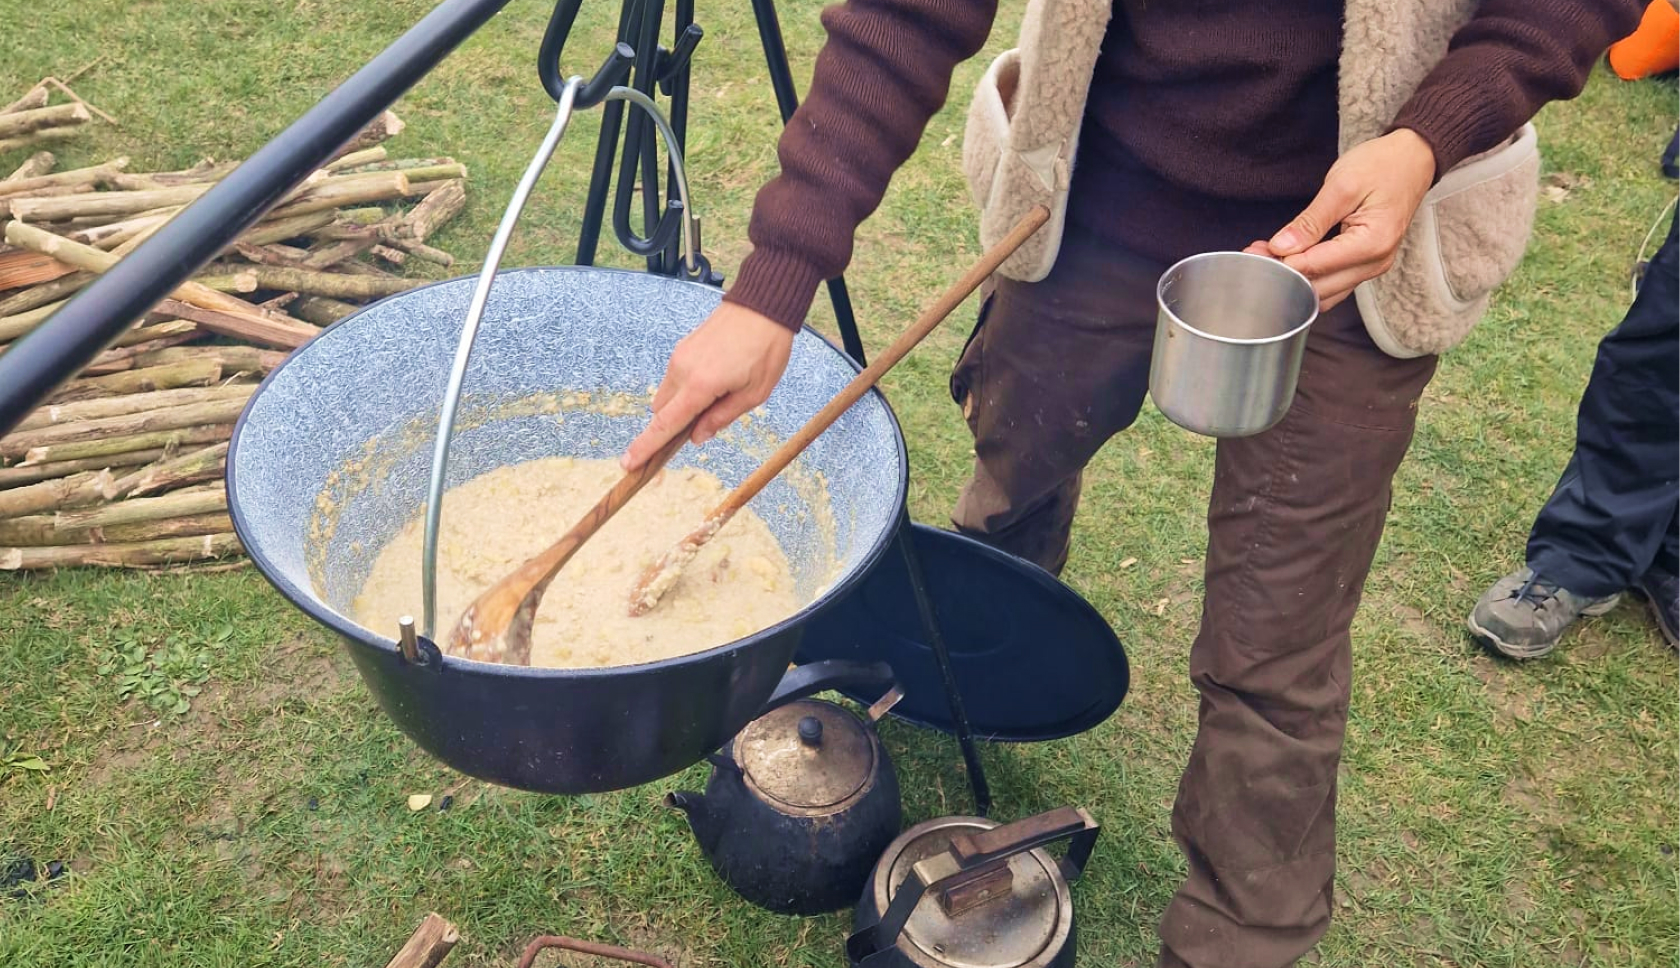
807	755
1027	925
1033	660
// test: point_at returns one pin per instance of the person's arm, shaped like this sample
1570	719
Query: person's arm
1511	59
883	73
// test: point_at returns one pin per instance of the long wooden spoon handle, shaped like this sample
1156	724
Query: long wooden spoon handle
866	380
551	561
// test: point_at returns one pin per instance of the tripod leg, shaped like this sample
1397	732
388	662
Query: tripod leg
787	99
942	656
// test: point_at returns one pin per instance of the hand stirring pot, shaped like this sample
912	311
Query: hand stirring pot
497	626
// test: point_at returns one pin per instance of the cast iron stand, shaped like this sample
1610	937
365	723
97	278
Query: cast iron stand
668	70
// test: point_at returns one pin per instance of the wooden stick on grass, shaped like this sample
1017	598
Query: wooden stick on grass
76	490
168	551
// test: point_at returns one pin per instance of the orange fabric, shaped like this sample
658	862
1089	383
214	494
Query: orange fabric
1652	49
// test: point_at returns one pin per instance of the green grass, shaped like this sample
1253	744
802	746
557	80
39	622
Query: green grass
1492	814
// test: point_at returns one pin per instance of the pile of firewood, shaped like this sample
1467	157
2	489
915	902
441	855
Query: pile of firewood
123	466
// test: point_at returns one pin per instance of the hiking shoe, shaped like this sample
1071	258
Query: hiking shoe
1662	593
1523	615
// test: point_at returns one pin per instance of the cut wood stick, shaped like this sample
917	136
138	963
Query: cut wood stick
77	490
47	292
400	164
330	194
242	281
121	445
331	255
15	123
452	171
60	413
218	411
144	232
42	530
118	360
366	156
428	946
72	95
17	324
421	250
387	125
167	375
281	229
328	284
168	551
109	235
209	500
97	174
204	171
278	302
103	204
232	359
272	255
41	137
395	257
235	317
20	267
153	332
36	98
207	464
433	211
321	310
36	165
18	476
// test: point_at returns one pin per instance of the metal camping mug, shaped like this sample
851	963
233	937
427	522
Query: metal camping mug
1229	332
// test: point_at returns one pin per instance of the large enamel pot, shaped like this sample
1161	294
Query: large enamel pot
333	456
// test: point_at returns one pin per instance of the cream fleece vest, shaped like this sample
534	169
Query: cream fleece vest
1467	238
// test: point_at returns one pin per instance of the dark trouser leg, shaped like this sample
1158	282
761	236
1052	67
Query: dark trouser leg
1614	507
1295	517
1053	370
1293	524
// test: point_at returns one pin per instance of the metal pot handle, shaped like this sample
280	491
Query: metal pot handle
574	95
814	677
963	877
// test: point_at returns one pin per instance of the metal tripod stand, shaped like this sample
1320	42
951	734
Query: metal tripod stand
630	143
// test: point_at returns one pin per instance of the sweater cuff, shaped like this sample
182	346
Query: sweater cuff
776	284
1449	117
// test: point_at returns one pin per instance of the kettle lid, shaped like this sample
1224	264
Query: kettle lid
807	755
1019	915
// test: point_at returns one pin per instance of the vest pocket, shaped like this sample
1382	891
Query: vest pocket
1467	238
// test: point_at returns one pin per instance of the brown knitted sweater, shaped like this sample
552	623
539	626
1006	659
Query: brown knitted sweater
1209	123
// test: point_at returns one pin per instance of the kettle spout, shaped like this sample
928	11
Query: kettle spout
702	819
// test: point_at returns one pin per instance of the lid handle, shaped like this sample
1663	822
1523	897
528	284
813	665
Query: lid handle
814	677
955	874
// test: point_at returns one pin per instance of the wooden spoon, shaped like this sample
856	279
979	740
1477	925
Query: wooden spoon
660	576
496	627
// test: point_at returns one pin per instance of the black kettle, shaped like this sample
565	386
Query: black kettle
965	891
801	803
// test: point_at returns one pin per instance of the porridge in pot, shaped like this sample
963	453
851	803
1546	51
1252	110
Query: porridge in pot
738	584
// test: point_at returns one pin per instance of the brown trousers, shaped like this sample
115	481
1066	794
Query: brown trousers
1056	368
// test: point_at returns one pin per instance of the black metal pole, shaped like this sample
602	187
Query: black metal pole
68	340
787	99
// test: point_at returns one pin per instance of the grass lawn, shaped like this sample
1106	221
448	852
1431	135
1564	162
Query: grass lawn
1491	814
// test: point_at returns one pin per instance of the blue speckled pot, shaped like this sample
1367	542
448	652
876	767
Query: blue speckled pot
332	457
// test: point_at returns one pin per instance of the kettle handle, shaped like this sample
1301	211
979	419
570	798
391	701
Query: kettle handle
814	677
971	856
